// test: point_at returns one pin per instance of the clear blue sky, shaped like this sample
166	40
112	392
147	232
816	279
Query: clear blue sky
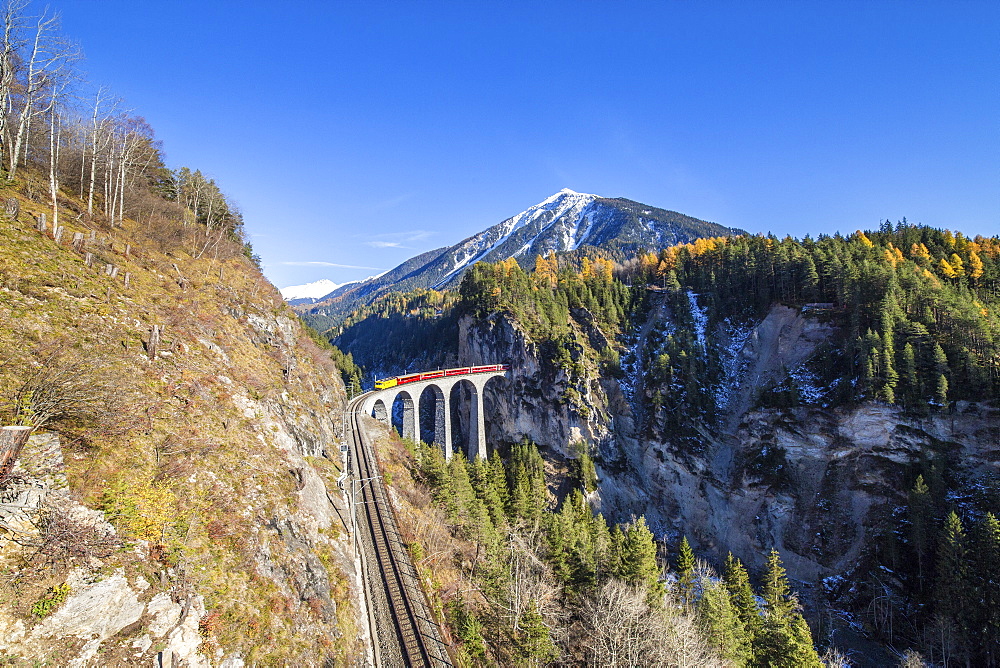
362	133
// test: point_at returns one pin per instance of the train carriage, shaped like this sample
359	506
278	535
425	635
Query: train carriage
387	383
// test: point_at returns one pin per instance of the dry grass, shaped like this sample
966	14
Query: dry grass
179	438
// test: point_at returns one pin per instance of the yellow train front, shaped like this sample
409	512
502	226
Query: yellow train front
386	383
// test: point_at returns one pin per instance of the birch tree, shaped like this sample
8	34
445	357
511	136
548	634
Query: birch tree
12	43
99	137
57	91
48	59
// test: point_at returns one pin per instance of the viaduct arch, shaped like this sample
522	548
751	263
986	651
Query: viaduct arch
379	403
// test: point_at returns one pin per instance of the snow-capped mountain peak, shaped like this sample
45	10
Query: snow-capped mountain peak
311	291
555	223
565	221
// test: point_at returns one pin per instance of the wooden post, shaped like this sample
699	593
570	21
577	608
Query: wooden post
128	249
154	341
128	278
57	233
107	268
114	272
42	225
78	241
12	207
12	439
88	259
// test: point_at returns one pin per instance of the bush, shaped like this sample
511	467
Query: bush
52	599
64	384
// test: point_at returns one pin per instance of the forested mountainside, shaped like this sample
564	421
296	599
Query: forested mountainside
834	398
567	221
172	504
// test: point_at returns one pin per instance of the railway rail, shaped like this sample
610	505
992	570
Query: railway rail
404	632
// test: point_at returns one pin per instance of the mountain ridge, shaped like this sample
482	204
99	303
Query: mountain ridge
565	221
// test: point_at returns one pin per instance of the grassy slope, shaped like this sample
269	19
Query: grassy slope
193	450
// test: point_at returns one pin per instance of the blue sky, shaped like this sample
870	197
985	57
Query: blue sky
355	135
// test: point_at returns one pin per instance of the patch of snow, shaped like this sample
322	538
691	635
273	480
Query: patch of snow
733	363
807	384
700	317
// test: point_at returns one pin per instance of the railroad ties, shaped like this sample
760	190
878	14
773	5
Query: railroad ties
405	633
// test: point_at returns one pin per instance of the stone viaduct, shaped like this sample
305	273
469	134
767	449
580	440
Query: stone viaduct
379	404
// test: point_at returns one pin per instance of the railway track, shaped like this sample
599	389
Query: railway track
404	633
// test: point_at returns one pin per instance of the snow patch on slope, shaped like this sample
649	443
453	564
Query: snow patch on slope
700	317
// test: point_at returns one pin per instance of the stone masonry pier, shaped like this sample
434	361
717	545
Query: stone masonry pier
379	404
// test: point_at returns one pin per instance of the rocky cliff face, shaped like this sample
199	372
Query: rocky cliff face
813	482
532	403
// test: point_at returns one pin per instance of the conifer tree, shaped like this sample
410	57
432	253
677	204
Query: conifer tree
785	640
481	473
737	583
685	571
987	570
603	546
637	557
558	537
465	508
919	513
527	484
468	628
953	594
911	385
941	391
498	481
534	640
721	624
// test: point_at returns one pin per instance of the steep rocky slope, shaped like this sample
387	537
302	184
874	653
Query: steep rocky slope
812	481
178	504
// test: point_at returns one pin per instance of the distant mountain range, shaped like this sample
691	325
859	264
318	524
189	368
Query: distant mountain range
566	221
310	293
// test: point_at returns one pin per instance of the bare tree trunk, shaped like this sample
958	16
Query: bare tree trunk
95	149
108	175
55	131
12	439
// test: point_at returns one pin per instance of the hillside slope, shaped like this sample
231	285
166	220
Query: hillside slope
176	502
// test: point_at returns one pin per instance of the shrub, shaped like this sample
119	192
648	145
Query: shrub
51	600
139	508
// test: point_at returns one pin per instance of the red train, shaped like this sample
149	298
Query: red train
386	383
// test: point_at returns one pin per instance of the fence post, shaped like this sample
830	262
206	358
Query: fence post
12	439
